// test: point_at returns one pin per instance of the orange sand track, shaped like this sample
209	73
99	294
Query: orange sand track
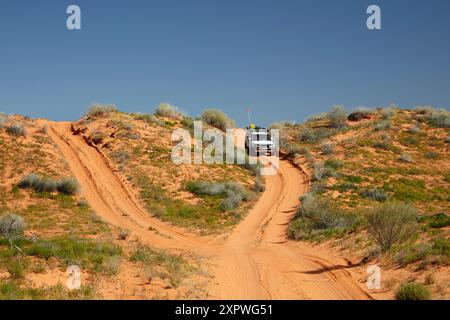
255	262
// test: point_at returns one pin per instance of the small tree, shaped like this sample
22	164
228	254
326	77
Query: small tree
11	228
337	116
392	223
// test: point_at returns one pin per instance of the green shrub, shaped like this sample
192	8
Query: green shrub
233	193
89	254
392	223
149	118
217	119
16	130
387	113
307	135
317	217
441	246
440	220
412	291
171	267
38	183
67	186
318	171
11	226
327	148
337	117
294	149
259	185
97	137
121	156
334	164
439	118
431	155
425	110
375	194
101	110
168	111
412	253
383	125
16	266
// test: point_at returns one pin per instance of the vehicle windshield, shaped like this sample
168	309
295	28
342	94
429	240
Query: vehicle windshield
261	136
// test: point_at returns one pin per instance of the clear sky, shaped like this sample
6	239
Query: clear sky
286	59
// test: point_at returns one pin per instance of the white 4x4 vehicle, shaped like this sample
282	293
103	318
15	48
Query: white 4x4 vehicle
258	141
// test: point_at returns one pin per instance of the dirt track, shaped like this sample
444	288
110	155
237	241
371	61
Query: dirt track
255	262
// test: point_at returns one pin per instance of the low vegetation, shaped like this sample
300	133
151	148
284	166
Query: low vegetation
412	291
38	183
217	119
162	265
392	223
168	111
101	110
232	193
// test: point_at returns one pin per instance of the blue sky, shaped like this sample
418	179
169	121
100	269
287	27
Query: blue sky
286	59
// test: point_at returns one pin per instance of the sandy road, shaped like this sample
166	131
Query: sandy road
256	261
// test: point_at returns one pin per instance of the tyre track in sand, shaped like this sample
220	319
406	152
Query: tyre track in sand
256	261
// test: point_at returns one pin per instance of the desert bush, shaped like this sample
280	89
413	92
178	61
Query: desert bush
392	223
383	125
431	155
168	111
405	157
132	135
441	246
101	110
317	216
412	291
11	226
337	116
415	128
217	119
387	113
16	130
121	156
38	183
424	110
318	171
334	164
44	129
439	118
123	234
439	220
201	187
259	185
97	137
68	186
307	135
327	148
375	194
188	122
149	118
233	193
294	149
412	253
